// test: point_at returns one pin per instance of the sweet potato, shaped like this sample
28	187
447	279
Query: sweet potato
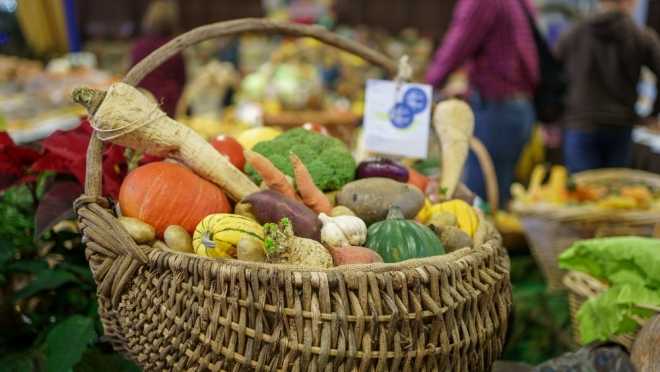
272	206
352	255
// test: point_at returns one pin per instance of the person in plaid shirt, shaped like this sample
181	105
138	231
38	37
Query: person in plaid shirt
493	40
167	81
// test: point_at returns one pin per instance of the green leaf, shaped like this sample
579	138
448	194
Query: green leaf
27	360
7	250
67	341
599	317
616	259
94	360
47	279
27	266
127	365
84	271
626	325
634	294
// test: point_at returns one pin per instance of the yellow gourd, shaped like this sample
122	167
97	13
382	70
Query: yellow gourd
425	213
467	218
217	235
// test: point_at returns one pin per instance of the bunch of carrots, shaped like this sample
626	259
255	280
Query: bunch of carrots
310	195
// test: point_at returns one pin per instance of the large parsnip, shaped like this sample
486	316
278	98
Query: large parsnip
453	121
125	117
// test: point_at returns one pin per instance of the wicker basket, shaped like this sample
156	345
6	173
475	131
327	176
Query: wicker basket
551	229
174	311
582	286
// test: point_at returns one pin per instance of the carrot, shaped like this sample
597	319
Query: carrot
273	177
312	197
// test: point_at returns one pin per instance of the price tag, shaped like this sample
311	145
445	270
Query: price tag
397	118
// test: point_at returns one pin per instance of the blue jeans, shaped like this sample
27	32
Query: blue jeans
504	127
609	148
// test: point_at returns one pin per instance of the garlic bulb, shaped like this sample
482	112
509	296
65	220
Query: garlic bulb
343	231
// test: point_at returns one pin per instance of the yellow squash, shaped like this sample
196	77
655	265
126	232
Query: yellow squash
425	213
217	235
465	214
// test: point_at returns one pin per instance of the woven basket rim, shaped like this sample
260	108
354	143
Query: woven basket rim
588	212
458	257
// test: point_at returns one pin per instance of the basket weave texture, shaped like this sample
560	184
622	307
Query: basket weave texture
581	287
174	311
551	229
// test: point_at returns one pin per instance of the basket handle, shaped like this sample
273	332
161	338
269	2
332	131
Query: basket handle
490	177
238	26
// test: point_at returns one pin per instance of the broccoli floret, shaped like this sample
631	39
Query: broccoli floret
329	162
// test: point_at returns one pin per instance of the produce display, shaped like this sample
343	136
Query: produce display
300	198
561	189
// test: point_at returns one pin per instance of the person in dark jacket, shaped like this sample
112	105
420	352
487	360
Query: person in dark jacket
166	82
604	55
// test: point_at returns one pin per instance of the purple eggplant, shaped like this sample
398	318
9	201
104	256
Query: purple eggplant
380	166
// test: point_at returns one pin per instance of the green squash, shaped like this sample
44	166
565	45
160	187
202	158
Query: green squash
397	239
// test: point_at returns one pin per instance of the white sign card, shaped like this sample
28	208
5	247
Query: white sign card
397	118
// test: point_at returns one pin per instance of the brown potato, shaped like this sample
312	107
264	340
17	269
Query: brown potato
245	210
249	249
340	210
140	232
371	198
177	238
332	196
452	238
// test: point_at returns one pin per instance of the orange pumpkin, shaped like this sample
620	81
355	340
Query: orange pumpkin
163	194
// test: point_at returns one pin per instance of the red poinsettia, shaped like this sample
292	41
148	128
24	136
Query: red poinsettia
65	153
15	162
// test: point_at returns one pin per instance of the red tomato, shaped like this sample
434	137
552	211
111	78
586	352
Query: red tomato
317	128
231	149
417	179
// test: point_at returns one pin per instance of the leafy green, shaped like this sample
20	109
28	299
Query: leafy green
617	259
7	250
28	360
47	279
67	342
632	267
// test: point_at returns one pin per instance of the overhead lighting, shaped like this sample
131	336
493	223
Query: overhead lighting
8	6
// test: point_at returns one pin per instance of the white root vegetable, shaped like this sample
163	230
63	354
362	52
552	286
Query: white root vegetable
453	121
284	247
125	117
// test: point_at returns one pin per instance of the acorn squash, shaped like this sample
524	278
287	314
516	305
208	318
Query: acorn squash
397	239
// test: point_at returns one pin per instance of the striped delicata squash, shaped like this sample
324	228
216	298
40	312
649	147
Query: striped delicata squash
217	234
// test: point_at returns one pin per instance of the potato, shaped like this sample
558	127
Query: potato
371	198
249	249
340	210
332	197
444	218
245	210
140	232
177	238
452	238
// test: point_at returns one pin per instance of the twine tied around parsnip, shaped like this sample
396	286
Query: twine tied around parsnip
92	99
